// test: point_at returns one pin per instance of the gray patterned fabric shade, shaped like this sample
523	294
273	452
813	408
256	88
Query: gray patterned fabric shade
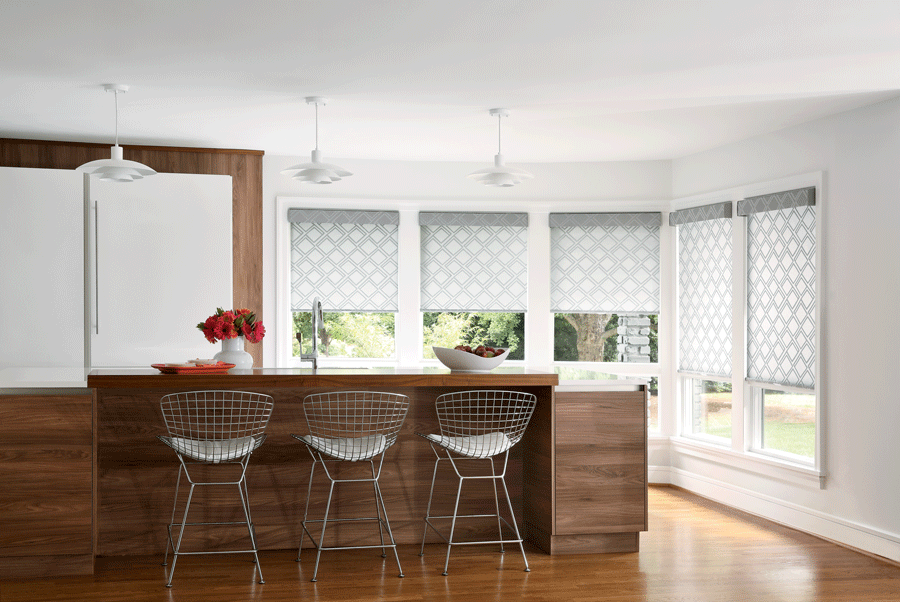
604	263
474	261
346	258
781	288
704	289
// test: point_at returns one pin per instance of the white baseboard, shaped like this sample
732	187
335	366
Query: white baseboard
848	533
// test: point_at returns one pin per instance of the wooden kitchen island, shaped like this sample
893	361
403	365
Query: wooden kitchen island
577	480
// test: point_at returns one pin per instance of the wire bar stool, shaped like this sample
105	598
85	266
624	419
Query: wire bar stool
213	428
351	426
476	426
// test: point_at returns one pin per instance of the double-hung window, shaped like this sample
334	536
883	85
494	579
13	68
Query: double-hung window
605	290
348	259
474	280
782	322
705	318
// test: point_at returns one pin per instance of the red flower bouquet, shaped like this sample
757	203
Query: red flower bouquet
231	324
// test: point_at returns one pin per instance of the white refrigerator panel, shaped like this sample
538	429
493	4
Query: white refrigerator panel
41	268
161	263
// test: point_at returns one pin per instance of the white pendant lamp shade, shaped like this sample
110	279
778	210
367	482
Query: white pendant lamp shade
315	171
116	169
500	175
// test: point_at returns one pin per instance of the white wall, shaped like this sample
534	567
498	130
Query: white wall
644	185
859	153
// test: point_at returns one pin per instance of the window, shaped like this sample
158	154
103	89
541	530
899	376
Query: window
500	330
782	321
705	277
348	259
474	278
604	286
709	403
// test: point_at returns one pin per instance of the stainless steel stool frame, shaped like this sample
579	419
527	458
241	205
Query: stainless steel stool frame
351	426
213	428
477	426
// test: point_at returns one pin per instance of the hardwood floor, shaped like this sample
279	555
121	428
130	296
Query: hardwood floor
695	550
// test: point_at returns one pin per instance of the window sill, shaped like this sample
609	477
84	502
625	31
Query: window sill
750	462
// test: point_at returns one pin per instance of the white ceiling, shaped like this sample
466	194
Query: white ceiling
585	80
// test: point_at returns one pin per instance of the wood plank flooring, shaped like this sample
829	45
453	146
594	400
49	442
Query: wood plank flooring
695	550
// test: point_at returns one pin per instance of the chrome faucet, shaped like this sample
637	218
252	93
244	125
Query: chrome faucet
318	323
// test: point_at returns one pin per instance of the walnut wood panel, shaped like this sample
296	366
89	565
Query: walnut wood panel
304	378
46	467
601	465
539	474
244	167
137	478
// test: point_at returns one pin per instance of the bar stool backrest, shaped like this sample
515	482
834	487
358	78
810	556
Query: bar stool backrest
362	415
481	415
215	426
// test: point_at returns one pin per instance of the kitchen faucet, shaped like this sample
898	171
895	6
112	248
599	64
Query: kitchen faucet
318	323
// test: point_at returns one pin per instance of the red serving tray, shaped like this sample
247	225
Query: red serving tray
220	368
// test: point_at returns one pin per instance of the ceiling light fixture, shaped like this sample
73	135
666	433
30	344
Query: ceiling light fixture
116	169
500	174
315	171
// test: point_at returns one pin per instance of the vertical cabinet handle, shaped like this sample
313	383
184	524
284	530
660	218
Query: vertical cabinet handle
96	268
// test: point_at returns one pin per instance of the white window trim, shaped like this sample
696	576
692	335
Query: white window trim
742	452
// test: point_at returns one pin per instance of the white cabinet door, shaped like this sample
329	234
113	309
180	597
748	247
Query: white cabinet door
161	250
41	267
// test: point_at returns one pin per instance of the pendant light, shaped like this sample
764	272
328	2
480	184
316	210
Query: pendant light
116	169
500	174
315	171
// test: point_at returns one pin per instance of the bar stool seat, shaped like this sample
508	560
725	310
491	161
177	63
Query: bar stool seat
354	427
477	426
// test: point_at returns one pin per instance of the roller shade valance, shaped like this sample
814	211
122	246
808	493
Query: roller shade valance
700	214
346	258
604	262
781	288
338	216
705	289
474	261
800	197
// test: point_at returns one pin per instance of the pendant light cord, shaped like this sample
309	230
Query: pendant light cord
116	94
498	136
317	126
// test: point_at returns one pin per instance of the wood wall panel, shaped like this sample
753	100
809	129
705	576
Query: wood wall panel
46	467
244	167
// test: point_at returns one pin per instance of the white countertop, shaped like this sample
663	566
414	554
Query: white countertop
43	378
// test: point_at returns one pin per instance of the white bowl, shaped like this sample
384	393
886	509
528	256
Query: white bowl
463	361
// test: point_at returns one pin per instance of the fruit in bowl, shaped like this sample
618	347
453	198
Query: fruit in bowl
466	359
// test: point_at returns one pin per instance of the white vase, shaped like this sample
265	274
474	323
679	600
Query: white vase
233	353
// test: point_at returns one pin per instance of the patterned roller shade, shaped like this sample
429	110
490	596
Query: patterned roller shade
704	289
604	263
781	288
346	258
474	261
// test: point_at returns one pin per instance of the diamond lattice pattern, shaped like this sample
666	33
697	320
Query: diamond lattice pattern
704	297
474	268
350	267
605	269
781	296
